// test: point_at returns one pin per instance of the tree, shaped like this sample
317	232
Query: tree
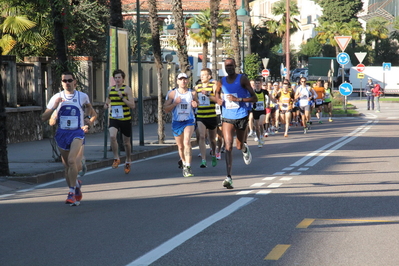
158	62
279	26
377	29
16	27
234	34
177	10
311	48
252	66
328	30
4	168
116	13
214	5
205	34
339	10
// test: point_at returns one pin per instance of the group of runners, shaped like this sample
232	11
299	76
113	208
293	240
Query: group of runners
236	108
218	111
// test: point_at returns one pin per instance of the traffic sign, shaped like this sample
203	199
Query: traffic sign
360	75
345	89
343	41
343	58
265	73
386	66
360	56
360	67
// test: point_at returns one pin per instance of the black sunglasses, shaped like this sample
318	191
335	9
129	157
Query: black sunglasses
67	80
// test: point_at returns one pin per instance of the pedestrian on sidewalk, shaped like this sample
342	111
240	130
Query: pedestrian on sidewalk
120	100
369	94
377	93
67	108
181	102
237	92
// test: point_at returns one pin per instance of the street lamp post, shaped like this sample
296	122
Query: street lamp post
287	43
242	15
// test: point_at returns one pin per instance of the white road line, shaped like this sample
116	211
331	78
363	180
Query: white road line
279	173
244	192
269	178
336	147
275	185
285	178
295	173
303	169
288	168
257	184
179	239
6	195
312	154
263	192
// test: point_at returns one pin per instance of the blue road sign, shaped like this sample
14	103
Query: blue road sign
343	58
386	66
346	89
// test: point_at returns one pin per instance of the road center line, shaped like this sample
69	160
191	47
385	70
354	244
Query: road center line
179	239
314	153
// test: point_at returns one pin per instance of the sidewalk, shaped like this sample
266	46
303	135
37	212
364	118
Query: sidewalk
32	161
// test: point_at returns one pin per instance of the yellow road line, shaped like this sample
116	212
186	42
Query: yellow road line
305	223
360	220
277	252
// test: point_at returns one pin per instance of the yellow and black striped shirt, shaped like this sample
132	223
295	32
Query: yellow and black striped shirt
206	107
117	101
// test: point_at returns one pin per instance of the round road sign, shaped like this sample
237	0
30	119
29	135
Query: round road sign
265	73
343	58
360	67
346	89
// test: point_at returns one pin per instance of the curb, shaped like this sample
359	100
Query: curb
54	175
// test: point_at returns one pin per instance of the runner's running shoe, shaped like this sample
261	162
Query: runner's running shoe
71	198
228	183
218	156
247	155
116	163
214	161
180	164
203	164
187	171
127	168
78	192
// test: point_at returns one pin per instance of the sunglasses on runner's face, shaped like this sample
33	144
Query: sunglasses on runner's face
67	80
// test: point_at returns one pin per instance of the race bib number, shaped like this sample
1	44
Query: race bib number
319	101
217	109
231	104
203	99
117	111
260	106
69	122
284	106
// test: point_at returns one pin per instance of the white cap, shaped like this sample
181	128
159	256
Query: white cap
182	75
370	78
275	83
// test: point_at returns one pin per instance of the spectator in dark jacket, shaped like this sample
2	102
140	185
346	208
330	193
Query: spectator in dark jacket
369	94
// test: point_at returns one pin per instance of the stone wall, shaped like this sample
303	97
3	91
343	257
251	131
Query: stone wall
24	123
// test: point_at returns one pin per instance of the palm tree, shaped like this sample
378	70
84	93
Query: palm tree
377	29
214	5
152	4
205	35
16	27
177	10
234	34
279	26
4	168
327	31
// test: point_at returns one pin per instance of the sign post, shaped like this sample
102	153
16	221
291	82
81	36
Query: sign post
265	73
360	68
345	89
343	42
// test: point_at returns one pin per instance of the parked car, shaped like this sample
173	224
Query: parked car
298	73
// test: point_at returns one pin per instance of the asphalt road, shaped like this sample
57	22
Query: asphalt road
329	197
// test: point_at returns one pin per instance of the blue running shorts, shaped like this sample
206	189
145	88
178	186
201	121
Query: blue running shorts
64	138
179	126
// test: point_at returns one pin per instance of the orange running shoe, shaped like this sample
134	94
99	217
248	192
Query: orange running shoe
116	163
127	168
71	198
78	192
